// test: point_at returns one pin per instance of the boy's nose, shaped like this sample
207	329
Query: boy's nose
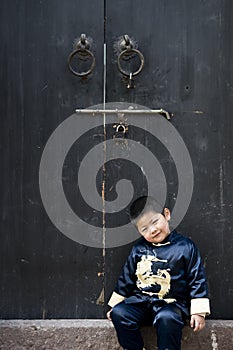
152	229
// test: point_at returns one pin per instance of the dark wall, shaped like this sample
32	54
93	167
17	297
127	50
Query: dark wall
188	70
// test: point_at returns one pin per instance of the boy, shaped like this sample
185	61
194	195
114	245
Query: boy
162	282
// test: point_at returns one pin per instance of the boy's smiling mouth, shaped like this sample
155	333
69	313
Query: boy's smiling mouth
155	234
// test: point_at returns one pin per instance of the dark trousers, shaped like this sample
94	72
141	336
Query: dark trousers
167	320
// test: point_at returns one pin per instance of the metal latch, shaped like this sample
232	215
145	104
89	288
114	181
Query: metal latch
122	112
121	129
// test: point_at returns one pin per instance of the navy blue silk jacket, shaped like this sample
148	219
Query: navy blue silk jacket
170	271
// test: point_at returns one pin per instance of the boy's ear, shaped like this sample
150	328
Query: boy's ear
167	214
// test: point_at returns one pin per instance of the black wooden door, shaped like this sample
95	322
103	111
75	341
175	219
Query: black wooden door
188	71
43	273
187	48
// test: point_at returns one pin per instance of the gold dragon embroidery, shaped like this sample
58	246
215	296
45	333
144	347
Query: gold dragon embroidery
146	278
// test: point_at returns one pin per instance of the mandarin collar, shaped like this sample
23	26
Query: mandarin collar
166	241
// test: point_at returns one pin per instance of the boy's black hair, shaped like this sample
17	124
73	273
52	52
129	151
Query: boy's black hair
142	205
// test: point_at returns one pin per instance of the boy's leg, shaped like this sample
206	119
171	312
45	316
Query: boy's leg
169	323
127	319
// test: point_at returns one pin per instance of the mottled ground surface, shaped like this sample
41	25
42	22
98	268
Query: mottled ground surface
100	335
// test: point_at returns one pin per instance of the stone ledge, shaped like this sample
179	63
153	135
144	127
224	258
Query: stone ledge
83	334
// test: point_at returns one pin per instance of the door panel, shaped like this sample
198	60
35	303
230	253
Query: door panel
187	50
44	274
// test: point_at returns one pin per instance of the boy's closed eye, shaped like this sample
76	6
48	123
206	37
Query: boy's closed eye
144	229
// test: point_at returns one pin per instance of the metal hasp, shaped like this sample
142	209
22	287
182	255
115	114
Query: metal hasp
121	129
128	52
82	52
93	112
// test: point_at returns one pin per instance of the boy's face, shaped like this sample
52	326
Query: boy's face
154	227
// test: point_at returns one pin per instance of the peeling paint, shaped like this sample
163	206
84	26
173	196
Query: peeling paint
44	310
198	112
100	299
214	340
99	274
143	171
221	185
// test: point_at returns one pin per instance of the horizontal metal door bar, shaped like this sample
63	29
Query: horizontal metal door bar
125	111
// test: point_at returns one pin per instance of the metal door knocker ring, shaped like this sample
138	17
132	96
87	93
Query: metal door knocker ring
83	52
126	53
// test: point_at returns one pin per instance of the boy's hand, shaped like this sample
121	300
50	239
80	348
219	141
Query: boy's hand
108	315
197	322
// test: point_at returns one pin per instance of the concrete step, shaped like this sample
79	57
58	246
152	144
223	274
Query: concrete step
86	334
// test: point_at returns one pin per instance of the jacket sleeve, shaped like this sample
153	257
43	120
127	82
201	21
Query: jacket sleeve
198	288
126	283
